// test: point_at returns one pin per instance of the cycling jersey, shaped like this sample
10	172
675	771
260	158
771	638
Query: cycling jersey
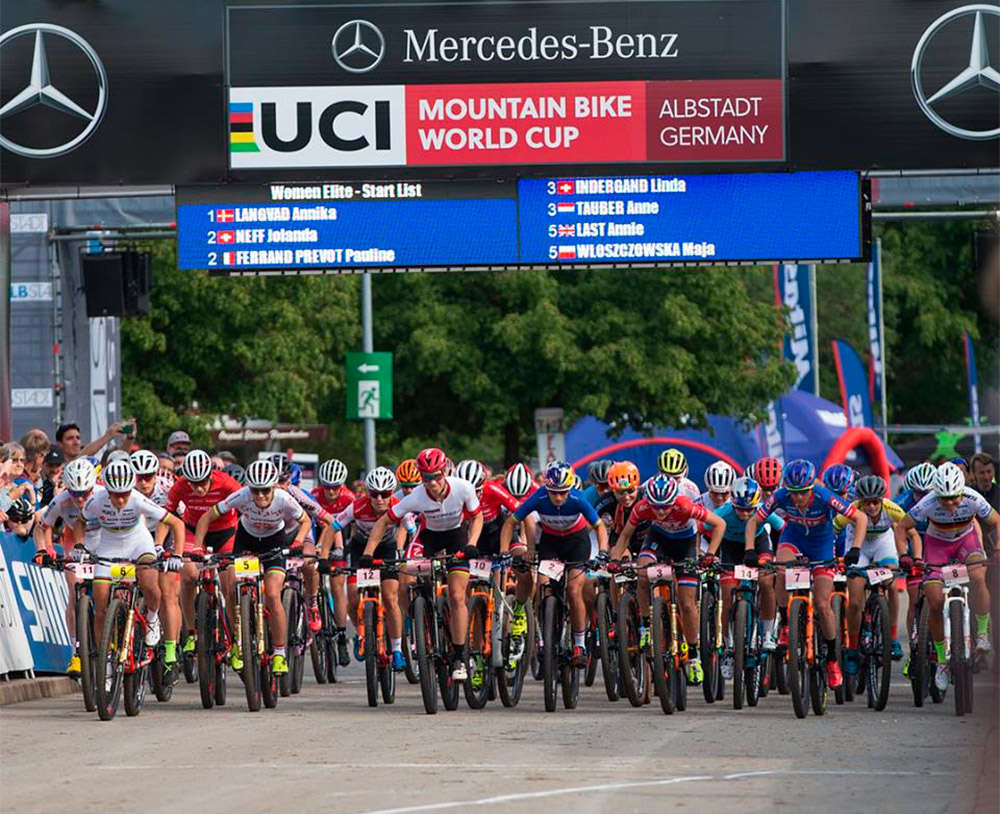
891	513
64	508
736	527
572	516
262	522
705	499
361	513
809	530
495	498
114	521
689	488
222	486
679	521
159	496
945	524
459	503
343	497
311	506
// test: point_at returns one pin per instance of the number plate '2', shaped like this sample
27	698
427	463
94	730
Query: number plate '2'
796	578
553	569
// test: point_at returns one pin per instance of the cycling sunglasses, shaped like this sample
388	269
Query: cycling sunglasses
84	493
265	491
432	476
382	495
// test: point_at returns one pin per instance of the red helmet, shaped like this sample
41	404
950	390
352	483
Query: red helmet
431	461
767	472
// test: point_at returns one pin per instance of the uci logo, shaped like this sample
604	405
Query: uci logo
320	127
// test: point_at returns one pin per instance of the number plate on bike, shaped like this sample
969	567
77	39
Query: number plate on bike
955	575
480	569
294	563
369	578
840	578
553	569
742	572
621	579
246	567
877	576
123	572
659	573
796	578
417	568
83	570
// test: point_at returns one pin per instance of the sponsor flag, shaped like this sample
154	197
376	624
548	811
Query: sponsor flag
853	385
565	208
793	289
566	231
973	381
225	215
226	236
876	345
229	258
567	252
565	187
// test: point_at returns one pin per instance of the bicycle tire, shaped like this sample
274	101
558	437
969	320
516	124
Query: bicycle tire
630	657
476	697
220	655
880	659
796	666
204	615
680	688
593	652
840	693
918	670
289	603
411	671
534	656
778	662
549	652
510	683
297	646
956	660
608	652
370	644
662	667
423	625
251	661
318	649
569	675
739	651
711	684
135	682
818	689
447	685
268	680
109	682
387	676
86	650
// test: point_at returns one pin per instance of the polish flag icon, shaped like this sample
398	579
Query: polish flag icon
225	215
565	187
567	252
226	237
229	258
565	208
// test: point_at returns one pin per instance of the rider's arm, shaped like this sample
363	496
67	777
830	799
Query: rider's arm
907	528
43	536
201	528
305	524
602	535
79	529
171	522
718	530
507	532
750	532
475	528
329	539
401	535
860	521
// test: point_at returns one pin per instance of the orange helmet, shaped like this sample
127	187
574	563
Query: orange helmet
407	473
623	475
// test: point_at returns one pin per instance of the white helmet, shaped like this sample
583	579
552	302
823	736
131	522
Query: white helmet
518	480
949	480
332	473
79	475
261	474
381	479
118	455
719	477
119	476
196	466
145	462
472	471
920	478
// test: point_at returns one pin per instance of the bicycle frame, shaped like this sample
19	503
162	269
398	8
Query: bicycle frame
208	581
804	595
666	589
370	593
486	581
126	588
252	585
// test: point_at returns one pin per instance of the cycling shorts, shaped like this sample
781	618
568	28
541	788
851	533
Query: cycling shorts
450	541
942	551
489	538
569	548
385	551
130	545
879	550
220	541
268	549
666	549
822	571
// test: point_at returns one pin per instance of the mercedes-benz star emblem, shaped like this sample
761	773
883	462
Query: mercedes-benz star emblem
979	72
41	91
358	46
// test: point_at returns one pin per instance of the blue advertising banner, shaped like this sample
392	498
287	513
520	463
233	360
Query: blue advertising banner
876	344
793	289
41	595
853	385
973	380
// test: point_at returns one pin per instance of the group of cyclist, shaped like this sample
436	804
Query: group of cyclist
772	515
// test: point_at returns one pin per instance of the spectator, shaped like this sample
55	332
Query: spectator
70	440
52	484
36	445
167	465
21	519
178	445
984	478
9	490
226	456
14	453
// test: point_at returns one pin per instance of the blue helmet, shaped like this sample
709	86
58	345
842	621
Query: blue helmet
559	477
745	494
839	478
800	475
662	490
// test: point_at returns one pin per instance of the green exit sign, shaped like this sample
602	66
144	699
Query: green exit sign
369	385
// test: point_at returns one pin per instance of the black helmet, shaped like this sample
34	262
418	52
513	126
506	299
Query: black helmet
870	487
21	510
236	472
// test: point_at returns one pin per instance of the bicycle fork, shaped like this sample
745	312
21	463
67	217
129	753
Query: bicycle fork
966	643
126	648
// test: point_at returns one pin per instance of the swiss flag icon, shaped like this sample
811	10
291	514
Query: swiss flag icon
565	187
226	237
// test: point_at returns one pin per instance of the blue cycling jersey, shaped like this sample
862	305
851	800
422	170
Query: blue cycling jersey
810	530
736	528
591	495
575	514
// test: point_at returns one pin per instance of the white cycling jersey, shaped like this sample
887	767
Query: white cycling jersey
439	515
64	508
123	533
159	497
947	524
283	512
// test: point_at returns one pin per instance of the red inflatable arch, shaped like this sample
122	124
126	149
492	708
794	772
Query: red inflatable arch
866	439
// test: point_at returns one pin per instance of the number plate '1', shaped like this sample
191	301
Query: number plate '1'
246	567
796	578
418	567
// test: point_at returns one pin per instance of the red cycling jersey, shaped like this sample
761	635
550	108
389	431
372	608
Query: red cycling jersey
677	519
343	498
361	514
222	485
494	498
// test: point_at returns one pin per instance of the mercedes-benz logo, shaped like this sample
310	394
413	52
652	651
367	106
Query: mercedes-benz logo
41	91
979	72
358	46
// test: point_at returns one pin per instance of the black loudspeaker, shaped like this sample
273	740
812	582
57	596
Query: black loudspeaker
137	283
102	283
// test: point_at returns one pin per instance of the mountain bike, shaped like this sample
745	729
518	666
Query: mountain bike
432	639
508	675
710	641
838	602
668	655
87	641
922	654
299	636
607	644
123	657
323	647
482	606
805	664
632	663
557	636
373	637
750	660
253	635
875	641
214	636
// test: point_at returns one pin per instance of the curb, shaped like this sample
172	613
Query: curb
31	689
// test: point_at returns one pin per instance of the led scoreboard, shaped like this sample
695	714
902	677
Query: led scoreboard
544	222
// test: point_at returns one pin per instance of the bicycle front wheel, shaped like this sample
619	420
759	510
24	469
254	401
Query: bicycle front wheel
840	694
739	651
423	638
110	671
712	685
289	602
880	657
135	680
630	655
477	686
318	648
370	643
606	645
958	663
662	668
204	615
251	661
797	664
549	654
448	686
87	648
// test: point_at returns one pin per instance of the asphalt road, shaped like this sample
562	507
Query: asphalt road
326	750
